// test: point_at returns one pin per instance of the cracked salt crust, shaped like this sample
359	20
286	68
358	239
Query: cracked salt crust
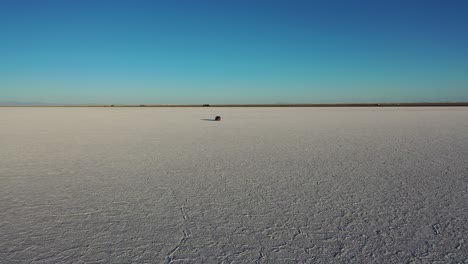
266	185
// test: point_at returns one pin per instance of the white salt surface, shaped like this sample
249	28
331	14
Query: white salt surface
267	185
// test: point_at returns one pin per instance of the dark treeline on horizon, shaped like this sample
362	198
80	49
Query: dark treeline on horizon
256	105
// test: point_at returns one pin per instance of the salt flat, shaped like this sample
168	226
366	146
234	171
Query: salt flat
266	185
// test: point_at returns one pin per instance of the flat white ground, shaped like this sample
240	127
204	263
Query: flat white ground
268	185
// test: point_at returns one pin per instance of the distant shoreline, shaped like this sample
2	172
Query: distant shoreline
263	105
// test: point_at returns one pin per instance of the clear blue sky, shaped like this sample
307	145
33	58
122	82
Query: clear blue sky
238	51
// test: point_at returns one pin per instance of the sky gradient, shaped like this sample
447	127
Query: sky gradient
194	52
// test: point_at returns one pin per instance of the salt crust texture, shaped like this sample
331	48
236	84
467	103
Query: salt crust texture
265	185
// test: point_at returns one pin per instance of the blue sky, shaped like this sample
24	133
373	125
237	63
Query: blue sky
191	52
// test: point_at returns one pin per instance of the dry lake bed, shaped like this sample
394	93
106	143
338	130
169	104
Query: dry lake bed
264	185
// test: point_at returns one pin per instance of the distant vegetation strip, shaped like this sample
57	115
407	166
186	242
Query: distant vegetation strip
263	105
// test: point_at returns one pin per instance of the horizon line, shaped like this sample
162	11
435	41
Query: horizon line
412	104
